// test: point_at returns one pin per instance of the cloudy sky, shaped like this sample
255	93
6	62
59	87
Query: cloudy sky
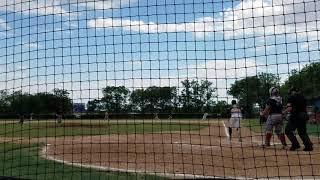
85	45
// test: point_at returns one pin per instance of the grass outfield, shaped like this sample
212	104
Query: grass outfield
86	128
23	161
254	125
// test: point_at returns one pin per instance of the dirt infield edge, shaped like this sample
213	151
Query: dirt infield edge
43	154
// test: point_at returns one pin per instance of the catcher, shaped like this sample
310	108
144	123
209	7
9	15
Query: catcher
273	112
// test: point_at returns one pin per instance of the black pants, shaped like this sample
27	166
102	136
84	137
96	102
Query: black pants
298	122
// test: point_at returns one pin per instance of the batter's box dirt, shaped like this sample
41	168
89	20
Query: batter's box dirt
204	153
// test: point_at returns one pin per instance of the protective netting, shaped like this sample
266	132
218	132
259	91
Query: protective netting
99	89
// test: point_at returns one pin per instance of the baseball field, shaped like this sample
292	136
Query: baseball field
151	149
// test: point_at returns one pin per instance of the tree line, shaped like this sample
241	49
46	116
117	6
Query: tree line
57	101
199	97
192	97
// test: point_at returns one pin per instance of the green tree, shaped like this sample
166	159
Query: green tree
19	102
308	79
160	99
221	108
94	106
196	96
24	103
206	95
63	102
115	98
137	100
4	104
186	96
154	99
44	103
253	90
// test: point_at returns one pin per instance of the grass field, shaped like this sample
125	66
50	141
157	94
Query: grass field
254	125
23	161
86	128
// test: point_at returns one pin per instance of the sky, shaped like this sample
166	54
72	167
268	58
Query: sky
85	45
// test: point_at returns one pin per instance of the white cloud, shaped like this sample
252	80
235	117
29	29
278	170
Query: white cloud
31	45
4	25
269	17
305	46
3	34
231	69
310	46
71	25
55	7
201	25
248	18
102	4
35	7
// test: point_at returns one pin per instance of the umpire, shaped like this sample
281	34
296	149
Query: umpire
296	106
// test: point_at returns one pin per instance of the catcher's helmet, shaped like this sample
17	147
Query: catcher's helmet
273	90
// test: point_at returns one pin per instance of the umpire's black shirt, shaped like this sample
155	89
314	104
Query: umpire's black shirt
298	103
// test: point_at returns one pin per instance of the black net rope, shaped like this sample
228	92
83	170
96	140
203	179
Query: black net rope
99	89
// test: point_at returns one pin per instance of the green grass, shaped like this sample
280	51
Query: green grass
254	125
23	161
313	129
51	129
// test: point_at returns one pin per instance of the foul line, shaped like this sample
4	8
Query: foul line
166	175
253	138
225	130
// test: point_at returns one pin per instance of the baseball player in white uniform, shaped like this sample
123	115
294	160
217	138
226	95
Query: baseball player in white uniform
234	121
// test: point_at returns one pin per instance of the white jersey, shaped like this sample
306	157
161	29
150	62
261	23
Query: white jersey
236	112
236	116
205	115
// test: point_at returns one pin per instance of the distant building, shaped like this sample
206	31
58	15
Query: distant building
78	108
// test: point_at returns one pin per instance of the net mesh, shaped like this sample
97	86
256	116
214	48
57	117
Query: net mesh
99	89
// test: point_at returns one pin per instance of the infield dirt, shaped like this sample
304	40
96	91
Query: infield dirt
206	152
